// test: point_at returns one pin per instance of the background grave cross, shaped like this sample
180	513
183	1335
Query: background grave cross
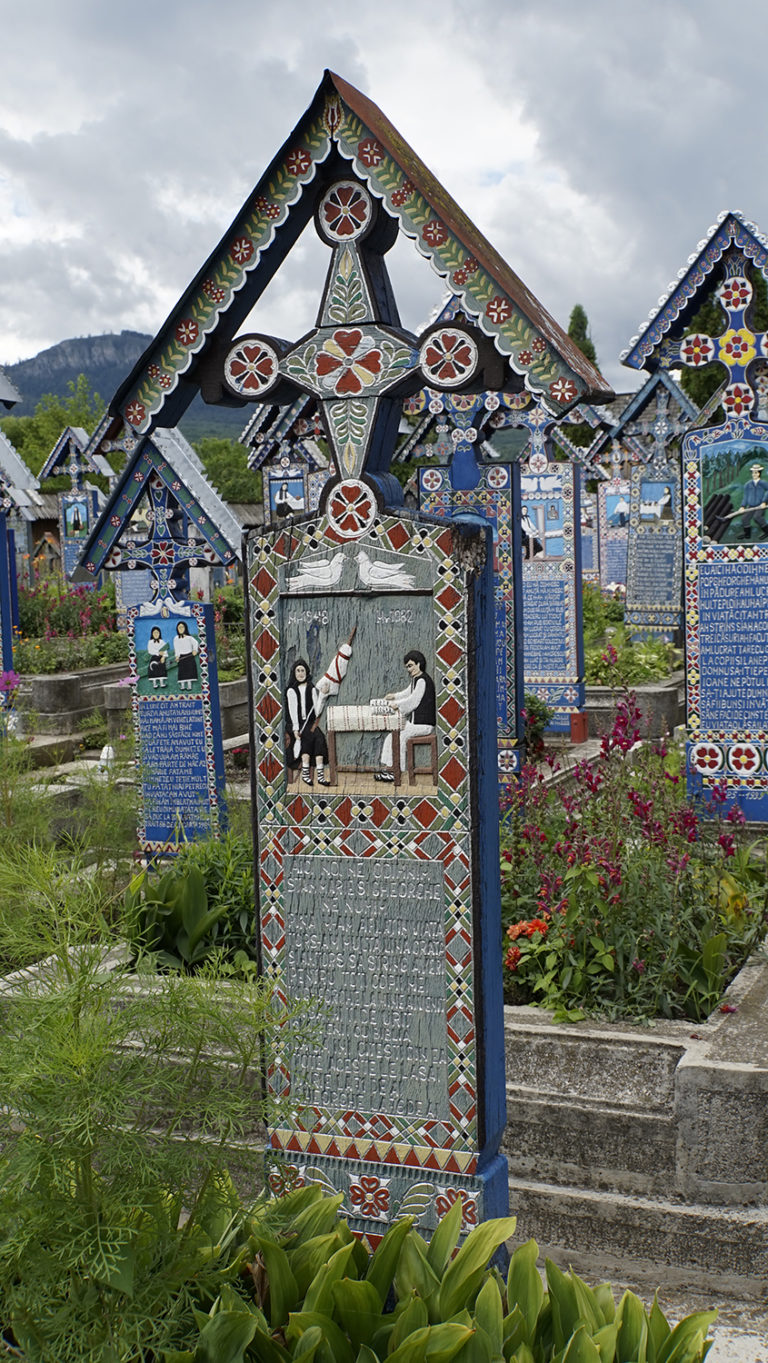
736	347
357	362
658	430
164	553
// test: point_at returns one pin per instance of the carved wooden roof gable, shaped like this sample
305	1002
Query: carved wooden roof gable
342	128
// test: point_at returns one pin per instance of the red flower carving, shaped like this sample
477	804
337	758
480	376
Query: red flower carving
448	357
370	152
349	361
696	350
563	390
735	293
346	209
298	162
433	232
251	367
738	399
187	332
499	309
446	1198
539	345
213	291
403	194
135	413
465	271
370	1194
241	250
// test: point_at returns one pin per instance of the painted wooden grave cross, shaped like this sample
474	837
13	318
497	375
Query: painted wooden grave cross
653	418
174	674
78	508
725	489
550	524
372	672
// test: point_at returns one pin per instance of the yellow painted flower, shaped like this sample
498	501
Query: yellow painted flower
737	347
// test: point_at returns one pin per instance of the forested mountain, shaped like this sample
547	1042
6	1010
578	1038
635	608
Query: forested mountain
105	361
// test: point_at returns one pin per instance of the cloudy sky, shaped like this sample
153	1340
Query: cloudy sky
594	144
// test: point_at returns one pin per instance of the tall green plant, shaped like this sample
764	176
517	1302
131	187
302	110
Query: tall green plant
123	1098
306	1290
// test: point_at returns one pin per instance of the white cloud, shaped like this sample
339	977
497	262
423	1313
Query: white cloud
593	145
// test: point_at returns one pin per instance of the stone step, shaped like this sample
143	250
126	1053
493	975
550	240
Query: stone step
631	1068
595	1145
720	1251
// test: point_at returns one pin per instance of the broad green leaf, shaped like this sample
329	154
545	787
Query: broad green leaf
119	1274
414	1317
340	1348
658	1329
605	1301
317	1219
684	1344
521	1355
632	1338
515	1331
358	1309
309	1344
319	1296
581	1348
565	1310
204	925
367	1355
478	1349
413	1273
381	1269
489	1313
192	897
435	1343
524	1286
226	1337
308	1259
605	1339
283	1291
445	1238
586	1303
460	1280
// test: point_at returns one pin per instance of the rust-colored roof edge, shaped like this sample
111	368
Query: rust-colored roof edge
127	385
478	246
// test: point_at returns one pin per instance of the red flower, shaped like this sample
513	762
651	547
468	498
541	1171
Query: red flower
499	309
346	209
433	232
370	152
213	291
696	350
371	1195
187	332
350	362
298	162
241	250
403	194
563	390
448	357
135	413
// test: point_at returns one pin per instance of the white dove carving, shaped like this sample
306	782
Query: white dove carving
318	573
383	575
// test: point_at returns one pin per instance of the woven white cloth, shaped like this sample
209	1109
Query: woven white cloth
349	719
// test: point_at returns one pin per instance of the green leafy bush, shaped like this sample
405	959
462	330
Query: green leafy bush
203	903
307	1290
619	897
123	1098
537	716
